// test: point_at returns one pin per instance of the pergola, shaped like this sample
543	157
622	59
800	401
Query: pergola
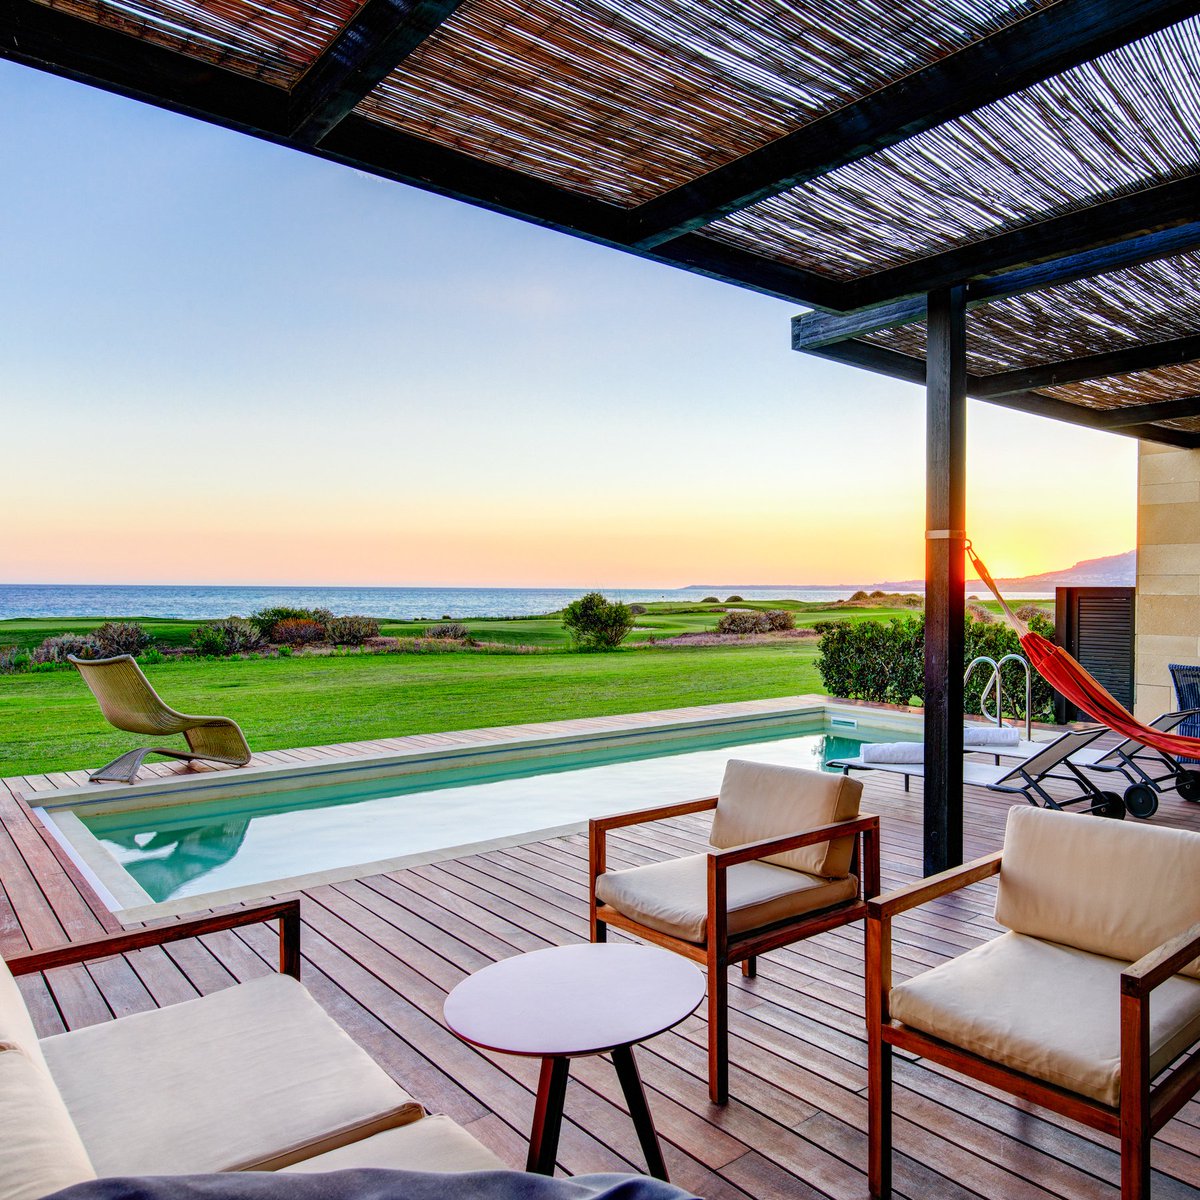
996	198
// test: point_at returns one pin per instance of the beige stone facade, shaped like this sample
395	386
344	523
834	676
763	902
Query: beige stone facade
1168	571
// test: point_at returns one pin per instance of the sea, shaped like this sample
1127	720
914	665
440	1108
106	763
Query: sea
399	603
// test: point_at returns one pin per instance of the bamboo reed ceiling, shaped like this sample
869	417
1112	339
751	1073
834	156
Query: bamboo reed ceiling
624	99
1125	122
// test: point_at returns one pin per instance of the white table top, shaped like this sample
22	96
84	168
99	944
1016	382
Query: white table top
574	1000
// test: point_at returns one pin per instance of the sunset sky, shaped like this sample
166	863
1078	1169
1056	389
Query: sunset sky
226	362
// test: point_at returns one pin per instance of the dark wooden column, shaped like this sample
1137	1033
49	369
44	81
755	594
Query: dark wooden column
945	520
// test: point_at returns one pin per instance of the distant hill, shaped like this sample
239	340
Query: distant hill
1116	570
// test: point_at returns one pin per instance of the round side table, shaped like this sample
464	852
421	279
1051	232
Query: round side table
572	1001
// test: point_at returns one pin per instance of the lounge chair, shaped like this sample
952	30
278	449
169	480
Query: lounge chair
1058	1011
785	864
129	703
1186	679
1026	776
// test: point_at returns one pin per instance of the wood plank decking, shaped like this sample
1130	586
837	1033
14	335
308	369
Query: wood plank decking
381	952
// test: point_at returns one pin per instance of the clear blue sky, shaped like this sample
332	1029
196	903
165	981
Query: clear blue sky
228	362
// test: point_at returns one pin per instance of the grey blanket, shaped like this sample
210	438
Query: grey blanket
372	1184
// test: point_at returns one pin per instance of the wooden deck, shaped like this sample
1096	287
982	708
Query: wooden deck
381	952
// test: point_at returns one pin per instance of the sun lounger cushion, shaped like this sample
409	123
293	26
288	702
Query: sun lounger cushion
431	1144
1109	887
40	1150
1050	1011
672	896
16	1027
893	752
251	1078
761	800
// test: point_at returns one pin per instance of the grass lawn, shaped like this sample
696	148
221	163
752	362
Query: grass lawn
51	723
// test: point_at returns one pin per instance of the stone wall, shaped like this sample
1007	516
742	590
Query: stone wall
1168	571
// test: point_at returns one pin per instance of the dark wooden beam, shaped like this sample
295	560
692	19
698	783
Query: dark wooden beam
1170	205
904	367
945	542
1159	410
1144	357
381	35
811	331
1043	44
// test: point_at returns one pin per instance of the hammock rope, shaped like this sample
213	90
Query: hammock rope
1068	677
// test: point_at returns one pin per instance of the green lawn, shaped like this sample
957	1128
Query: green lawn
51	722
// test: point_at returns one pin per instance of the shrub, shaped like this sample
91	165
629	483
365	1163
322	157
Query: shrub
875	595
860	596
267	618
234	635
152	657
637	609
121	637
595	623
743	622
351	630
454	631
734	600
779	619
978	613
1029	612
710	600
884	662
12	660
56	649
297	631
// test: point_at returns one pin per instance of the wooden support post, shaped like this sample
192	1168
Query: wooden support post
945	506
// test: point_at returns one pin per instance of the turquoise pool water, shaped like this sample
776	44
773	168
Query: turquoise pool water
194	847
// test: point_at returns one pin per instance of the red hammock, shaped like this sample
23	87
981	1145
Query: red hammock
1067	676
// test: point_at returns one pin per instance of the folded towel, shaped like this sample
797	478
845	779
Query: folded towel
989	735
894	752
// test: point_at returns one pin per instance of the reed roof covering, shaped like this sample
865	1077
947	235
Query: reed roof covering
839	153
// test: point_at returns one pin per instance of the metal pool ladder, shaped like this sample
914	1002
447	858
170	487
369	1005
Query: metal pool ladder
995	687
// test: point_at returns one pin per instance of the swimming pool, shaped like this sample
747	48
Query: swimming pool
213	840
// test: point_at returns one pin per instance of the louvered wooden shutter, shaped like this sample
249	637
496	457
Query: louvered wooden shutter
1095	624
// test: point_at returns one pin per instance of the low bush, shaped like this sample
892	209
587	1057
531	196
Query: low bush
452	631
152	657
710	600
351	630
266	619
595	623
121	637
734	600
978	613
638	609
297	631
234	635
779	619
12	660
860	596
56	649
743	622
1029	612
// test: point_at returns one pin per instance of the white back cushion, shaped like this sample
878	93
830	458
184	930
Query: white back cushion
761	800
1108	887
16	1028
40	1149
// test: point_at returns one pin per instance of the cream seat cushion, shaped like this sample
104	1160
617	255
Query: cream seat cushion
1050	1011
250	1078
672	896
16	1026
432	1144
762	800
1112	887
40	1150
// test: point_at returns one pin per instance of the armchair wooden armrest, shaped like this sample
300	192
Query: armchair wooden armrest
286	912
1143	976
902	899
598	828
724	859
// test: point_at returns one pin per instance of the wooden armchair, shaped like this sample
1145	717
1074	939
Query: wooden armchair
785	865
1100	917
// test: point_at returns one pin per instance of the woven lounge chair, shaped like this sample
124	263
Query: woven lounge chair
129	702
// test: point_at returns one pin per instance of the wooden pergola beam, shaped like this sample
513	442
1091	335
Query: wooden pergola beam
1160	410
1167	206
904	367
382	34
1042	44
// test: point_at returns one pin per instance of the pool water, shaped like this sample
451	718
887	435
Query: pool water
192	848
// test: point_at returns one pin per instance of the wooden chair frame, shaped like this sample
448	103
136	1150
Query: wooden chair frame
286	912
721	949
1143	1109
